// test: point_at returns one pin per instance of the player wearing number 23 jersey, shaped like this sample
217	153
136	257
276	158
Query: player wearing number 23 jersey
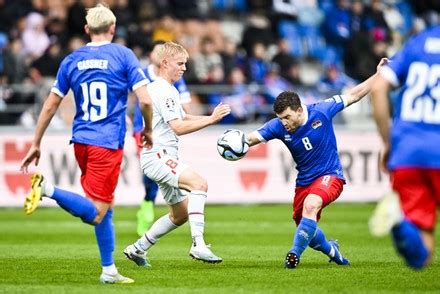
308	133
411	141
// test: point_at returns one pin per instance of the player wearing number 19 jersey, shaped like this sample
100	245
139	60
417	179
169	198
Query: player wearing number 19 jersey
100	75
307	132
412	152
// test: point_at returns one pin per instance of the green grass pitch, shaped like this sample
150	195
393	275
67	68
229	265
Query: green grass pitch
52	252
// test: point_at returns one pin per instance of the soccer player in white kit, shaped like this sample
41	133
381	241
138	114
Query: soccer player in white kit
161	163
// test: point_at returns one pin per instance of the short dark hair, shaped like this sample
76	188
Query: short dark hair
286	99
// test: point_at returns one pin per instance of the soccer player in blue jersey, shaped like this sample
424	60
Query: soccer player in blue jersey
145	215
100	75
411	142
307	131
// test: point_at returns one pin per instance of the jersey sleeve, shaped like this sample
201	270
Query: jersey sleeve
331	106
396	71
135	74
169	106
61	84
185	96
268	131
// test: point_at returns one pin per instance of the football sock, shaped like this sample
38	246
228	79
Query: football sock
409	244
304	233
151	189
196	216
320	243
110	270
105	236
160	227
48	188
75	204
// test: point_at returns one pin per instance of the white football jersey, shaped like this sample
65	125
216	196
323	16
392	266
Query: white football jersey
166	107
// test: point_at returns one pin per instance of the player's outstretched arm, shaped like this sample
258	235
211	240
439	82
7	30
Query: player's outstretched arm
49	109
194	123
252	140
381	112
359	91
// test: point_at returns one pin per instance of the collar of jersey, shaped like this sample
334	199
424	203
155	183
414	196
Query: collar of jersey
98	43
306	113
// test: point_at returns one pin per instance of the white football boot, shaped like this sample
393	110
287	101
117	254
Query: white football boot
386	214
115	279
204	254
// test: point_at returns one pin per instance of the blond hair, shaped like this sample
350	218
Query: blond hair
170	49
99	19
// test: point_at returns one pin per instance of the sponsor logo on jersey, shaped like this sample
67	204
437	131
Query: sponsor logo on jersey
287	138
316	124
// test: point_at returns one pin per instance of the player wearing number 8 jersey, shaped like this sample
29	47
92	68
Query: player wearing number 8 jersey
307	132
100	75
411	142
161	163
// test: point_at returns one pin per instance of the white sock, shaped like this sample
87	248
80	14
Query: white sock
159	228
110	270
196	216
47	188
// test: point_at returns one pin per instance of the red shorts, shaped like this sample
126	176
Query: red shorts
419	192
100	169
327	187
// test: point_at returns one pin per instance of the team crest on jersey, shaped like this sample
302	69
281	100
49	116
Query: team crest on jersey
316	124
170	103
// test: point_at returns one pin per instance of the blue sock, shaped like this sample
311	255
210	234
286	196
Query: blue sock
105	235
409	244
304	233
151	189
320	243
75	204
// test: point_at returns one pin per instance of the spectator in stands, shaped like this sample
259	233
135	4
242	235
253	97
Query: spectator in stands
208	63
242	102
257	66
35	39
258	30
165	29
274	84
230	56
337	28
334	81
288	64
47	65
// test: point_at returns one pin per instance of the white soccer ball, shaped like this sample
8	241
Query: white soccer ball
232	145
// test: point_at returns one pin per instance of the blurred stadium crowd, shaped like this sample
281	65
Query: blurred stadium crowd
242	52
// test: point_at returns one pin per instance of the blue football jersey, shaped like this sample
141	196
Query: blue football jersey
313	145
185	97
100	76
415	133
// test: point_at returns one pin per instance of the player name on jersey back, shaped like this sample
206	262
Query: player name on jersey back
92	63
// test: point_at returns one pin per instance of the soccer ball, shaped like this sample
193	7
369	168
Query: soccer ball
232	145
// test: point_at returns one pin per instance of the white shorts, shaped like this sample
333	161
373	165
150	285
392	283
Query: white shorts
165	170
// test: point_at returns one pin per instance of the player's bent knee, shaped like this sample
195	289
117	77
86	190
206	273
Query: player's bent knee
311	209
200	185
